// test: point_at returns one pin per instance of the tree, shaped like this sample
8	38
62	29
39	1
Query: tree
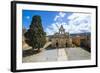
35	35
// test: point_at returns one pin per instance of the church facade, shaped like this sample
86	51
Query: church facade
61	39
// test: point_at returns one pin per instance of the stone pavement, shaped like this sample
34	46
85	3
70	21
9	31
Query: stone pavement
77	53
47	55
61	54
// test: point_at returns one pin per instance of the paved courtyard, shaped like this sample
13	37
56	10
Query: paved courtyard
61	54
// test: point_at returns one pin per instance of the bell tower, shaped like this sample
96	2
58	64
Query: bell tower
61	30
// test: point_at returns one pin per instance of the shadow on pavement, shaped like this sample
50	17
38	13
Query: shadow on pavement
87	49
29	52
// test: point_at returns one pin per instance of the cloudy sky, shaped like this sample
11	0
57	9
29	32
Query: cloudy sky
51	20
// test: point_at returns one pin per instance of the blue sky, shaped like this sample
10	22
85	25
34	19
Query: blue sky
46	16
52	20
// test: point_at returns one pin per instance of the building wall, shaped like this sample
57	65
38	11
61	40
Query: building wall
62	41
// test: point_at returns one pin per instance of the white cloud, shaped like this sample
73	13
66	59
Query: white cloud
49	31
59	16
56	17
77	23
53	28
27	17
80	22
62	14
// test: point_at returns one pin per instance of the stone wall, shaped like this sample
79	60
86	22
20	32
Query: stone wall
62	41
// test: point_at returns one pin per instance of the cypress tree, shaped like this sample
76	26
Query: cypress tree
35	35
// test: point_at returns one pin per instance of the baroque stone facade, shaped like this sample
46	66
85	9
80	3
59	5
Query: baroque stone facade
61	39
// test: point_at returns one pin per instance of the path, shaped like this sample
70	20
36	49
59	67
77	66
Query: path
61	54
47	55
77	53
